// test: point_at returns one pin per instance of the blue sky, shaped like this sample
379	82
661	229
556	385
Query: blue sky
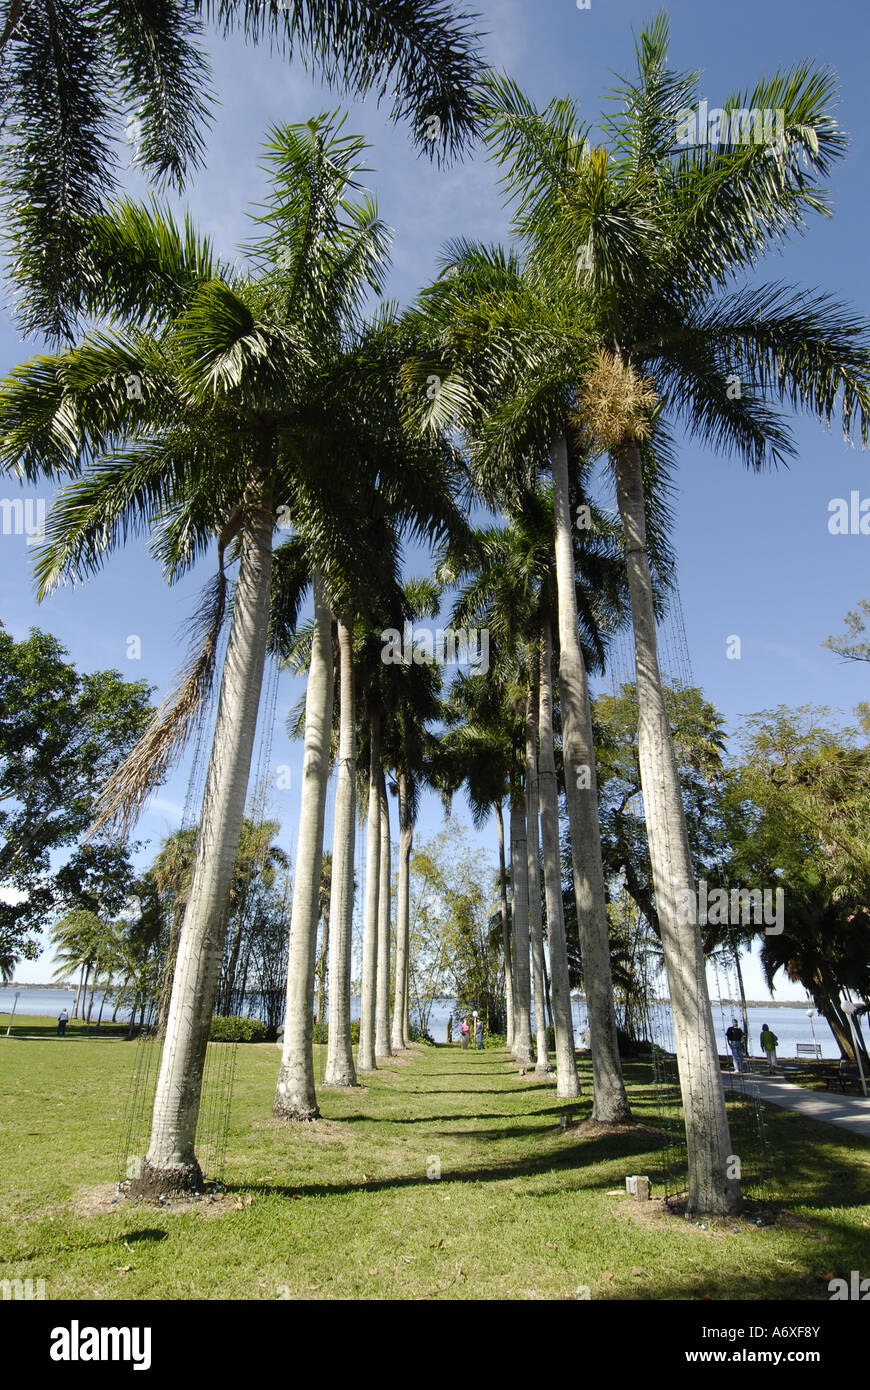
756	559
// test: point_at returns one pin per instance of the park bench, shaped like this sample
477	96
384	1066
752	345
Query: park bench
846	1075
809	1049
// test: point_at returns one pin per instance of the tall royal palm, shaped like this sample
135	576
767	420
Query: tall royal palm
403	484
513	592
213	416
647	236
503	347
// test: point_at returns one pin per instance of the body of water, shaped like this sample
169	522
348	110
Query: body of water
790	1025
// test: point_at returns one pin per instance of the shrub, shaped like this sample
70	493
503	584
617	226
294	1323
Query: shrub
320	1032
238	1029
420	1035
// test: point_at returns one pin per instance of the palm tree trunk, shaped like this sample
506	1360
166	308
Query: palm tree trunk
522	1048
103	1002
81	991
295	1095
707	1136
171	1164
382	1007
340	1069
403	913
542	1064
567	1082
369	991
94	981
610	1104
322	967
505	927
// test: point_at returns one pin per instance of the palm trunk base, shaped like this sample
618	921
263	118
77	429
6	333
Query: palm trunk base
543	1069
176	1180
715	1201
568	1087
339	1075
294	1100
612	1110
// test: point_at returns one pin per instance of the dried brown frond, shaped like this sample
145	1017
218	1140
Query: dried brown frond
122	799
615	405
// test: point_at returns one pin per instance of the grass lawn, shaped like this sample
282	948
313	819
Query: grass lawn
344	1208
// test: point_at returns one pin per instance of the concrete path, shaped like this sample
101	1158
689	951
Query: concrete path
850	1112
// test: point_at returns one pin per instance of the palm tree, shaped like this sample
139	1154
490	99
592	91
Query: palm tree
644	239
71	76
383	1046
478	751
513	594
411	698
503	345
404	485
242	371
77	939
323	906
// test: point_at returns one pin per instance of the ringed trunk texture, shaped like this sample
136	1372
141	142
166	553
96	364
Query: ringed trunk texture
382	1006
295	1095
542	1063
169	971
369	993
522	1048
708	1141
505	928
403	915
340	1069
610	1102
567	1081
170	1163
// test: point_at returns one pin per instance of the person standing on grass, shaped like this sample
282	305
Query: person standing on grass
734	1036
62	1021
478	1032
769	1042
465	1030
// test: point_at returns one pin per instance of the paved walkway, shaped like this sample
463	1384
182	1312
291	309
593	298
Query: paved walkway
850	1112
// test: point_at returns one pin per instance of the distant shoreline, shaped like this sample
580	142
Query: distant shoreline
17	984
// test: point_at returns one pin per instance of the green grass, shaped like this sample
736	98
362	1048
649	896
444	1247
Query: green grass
344	1209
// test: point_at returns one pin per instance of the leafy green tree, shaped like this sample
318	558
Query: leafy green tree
798	813
699	743
62	734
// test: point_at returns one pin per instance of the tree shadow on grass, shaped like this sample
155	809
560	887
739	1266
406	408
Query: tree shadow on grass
584	1154
478	1090
147	1233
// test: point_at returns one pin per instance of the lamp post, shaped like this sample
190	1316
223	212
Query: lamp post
810	1013
851	1009
12	1015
